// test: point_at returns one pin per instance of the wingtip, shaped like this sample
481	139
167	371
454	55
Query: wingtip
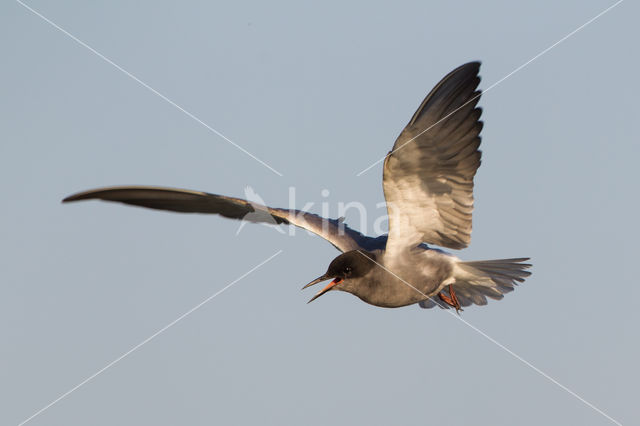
472	64
520	261
472	69
73	197
84	195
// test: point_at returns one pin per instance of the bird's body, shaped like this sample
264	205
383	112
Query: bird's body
428	184
426	270
419	274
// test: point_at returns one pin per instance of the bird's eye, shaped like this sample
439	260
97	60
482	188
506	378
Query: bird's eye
347	270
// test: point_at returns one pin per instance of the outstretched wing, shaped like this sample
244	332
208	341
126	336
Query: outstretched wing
428	177
187	201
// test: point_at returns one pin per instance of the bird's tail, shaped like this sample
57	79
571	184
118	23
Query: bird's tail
475	281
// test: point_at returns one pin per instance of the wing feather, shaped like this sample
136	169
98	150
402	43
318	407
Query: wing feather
188	201
428	176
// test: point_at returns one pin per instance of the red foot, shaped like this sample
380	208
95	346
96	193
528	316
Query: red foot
451	300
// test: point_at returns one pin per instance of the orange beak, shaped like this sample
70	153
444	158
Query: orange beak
329	286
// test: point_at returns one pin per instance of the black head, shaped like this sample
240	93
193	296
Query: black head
352	264
348	266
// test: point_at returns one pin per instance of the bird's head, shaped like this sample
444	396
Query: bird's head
345	271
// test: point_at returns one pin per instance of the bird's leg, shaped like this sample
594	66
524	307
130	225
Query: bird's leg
452	293
451	300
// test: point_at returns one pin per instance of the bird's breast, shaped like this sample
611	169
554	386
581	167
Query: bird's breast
405	281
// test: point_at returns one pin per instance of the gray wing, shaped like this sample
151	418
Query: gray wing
187	201
428	177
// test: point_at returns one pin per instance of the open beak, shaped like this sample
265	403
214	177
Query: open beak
317	280
329	286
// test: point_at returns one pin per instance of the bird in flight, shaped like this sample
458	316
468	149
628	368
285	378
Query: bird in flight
428	185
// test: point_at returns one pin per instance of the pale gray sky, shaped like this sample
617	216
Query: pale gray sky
319	92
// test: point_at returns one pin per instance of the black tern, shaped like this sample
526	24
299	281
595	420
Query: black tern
428	184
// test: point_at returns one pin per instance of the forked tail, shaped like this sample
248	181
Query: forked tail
475	281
